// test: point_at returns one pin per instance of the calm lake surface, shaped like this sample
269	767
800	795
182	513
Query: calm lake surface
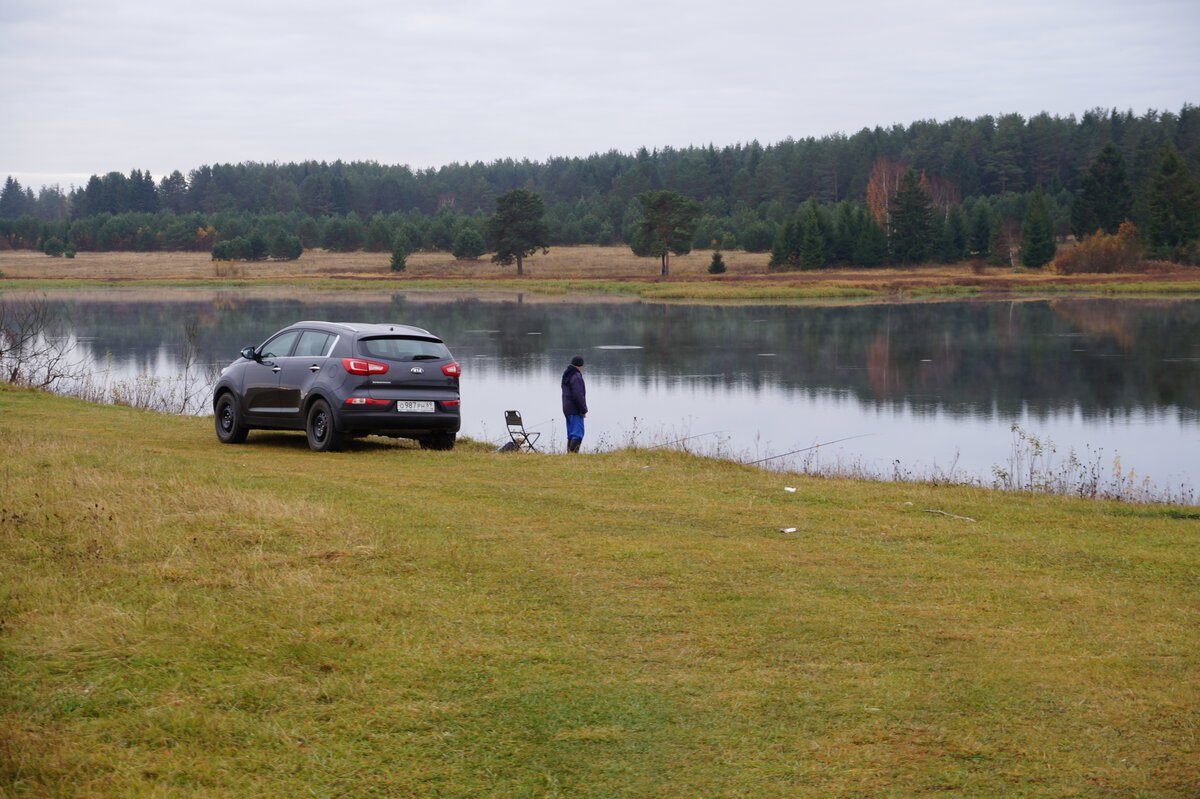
918	389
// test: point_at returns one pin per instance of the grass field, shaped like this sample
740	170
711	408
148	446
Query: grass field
576	270
184	619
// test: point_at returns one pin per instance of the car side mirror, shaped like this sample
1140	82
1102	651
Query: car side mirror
249	354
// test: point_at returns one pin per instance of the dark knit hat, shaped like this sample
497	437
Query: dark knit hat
577	360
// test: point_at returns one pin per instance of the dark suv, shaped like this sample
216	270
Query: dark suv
336	380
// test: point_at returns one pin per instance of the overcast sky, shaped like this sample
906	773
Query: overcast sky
94	86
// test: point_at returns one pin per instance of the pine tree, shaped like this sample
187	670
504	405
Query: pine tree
1037	232
518	228
667	226
400	249
468	244
717	265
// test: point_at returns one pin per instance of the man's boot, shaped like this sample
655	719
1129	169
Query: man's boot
573	444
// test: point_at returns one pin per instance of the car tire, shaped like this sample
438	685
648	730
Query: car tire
230	429
319	425
441	441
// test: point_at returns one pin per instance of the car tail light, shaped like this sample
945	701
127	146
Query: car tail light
359	366
366	401
451	403
452	370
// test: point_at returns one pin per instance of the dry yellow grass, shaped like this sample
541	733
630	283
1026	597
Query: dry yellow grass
595	269
560	262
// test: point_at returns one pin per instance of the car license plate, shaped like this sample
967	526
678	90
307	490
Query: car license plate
413	406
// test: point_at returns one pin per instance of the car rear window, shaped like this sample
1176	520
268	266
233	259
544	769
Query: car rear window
401	348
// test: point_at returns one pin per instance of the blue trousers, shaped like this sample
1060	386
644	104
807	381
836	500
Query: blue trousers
575	427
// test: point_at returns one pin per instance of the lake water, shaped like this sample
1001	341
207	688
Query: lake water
925	389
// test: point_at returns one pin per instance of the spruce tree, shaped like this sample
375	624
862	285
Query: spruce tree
1104	199
813	248
1173	206
981	230
952	238
717	265
786	249
1037	232
912	221
871	245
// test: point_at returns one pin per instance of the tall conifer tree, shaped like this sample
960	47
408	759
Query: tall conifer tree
1173	206
1037	232
912	221
1104	200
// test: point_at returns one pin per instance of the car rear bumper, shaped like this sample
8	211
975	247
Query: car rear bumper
385	419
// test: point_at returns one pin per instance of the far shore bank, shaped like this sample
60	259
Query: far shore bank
587	270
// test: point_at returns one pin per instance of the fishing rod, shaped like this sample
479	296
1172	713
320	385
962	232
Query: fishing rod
806	449
689	438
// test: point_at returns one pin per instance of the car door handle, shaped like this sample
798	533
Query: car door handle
276	369
314	368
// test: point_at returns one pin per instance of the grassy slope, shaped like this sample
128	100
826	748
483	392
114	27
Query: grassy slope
180	618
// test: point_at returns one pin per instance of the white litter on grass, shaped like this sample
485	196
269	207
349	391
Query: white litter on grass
618	347
789	489
787	529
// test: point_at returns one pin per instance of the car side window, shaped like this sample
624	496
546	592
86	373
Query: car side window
279	346
313	344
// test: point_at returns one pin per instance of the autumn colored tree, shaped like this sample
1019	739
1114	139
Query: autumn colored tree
882	187
1103	252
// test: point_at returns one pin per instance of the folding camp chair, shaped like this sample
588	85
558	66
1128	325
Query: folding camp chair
522	439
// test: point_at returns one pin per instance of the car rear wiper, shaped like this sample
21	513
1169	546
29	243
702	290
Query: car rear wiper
426	357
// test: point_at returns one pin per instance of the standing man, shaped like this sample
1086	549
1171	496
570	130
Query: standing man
574	396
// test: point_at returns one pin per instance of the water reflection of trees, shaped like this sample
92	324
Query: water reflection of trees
1099	355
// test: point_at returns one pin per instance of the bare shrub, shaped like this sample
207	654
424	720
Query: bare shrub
228	268
34	350
1103	253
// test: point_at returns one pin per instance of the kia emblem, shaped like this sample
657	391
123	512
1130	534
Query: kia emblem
416	370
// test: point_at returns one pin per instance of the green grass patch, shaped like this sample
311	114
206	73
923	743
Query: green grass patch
180	618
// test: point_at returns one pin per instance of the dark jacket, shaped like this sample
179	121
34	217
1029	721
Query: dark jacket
574	392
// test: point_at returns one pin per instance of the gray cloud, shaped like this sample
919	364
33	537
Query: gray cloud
164	84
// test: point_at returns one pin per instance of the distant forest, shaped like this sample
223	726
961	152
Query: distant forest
747	192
